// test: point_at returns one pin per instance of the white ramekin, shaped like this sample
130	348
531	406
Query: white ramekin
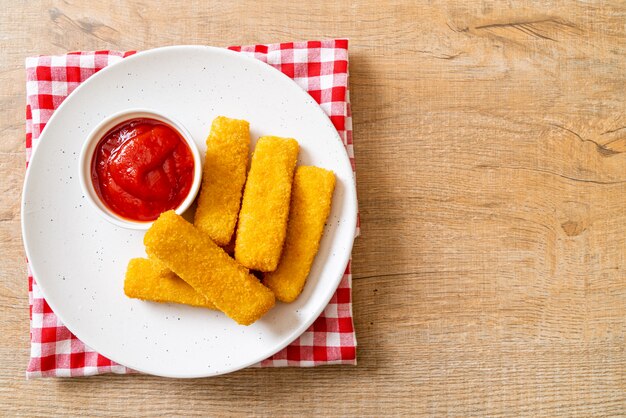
89	147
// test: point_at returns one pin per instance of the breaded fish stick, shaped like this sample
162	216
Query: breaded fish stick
311	197
146	280
196	259
265	207
225	166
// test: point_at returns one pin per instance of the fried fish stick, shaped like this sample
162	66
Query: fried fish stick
265	207
311	198
225	165
196	259
147	280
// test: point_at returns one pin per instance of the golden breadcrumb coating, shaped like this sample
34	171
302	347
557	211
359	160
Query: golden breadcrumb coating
225	165
265	207
196	259
149	281
311	198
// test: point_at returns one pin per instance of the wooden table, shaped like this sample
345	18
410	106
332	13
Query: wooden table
490	278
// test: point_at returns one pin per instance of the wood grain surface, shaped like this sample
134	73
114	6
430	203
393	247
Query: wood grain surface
490	137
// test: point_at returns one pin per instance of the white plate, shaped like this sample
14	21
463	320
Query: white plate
79	259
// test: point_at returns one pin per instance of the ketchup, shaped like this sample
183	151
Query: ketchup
141	168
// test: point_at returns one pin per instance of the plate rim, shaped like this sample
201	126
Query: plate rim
352	218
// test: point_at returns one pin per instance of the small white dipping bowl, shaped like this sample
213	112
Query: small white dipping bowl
89	148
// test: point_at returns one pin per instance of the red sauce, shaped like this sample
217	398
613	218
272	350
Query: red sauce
142	168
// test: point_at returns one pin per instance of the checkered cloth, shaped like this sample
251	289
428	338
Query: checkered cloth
319	67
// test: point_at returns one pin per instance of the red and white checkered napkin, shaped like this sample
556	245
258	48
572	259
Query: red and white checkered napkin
321	68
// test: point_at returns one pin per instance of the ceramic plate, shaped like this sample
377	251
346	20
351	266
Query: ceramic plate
79	259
